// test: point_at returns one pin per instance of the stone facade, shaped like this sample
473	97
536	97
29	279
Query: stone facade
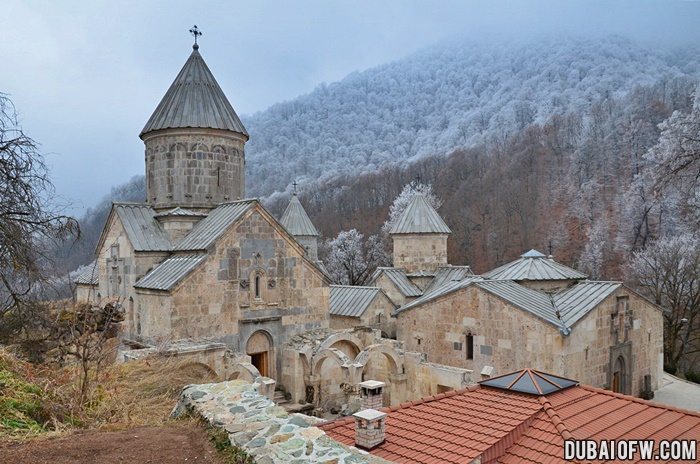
420	252
218	300
507	338
325	368
119	267
376	316
194	168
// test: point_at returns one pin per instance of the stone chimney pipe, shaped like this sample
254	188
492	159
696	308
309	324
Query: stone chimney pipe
370	426
371	394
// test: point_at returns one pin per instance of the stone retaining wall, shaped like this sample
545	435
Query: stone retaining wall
265	431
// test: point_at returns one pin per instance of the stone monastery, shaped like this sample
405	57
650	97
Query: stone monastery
215	276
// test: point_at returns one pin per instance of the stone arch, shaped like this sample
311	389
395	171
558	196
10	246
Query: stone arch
199	147
218	149
196	372
338	337
333	353
395	362
259	347
619	380
244	371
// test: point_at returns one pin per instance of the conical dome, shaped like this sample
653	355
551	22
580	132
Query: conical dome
296	221
420	218
194	100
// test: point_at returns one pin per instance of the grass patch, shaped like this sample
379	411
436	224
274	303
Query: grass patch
228	452
35	399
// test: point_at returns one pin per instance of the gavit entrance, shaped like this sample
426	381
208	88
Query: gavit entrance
259	348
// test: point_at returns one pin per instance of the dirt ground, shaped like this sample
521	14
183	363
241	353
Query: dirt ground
167	444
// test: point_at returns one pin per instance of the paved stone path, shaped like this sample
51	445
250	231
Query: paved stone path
679	393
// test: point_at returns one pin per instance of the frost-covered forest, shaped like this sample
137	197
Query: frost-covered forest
451	96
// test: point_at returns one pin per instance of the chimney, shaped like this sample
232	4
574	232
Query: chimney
371	394
369	428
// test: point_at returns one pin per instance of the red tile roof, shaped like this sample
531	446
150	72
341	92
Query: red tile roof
511	427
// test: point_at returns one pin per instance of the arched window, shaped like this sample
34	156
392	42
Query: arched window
470	346
258	284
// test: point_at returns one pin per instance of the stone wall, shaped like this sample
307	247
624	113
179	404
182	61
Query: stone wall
420	252
504	337
86	293
588	348
390	289
376	316
265	431
194	168
217	301
119	268
507	338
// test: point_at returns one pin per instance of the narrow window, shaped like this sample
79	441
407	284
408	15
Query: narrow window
470	346
218	177
379	318
257	286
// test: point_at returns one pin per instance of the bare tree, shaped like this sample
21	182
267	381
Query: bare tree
28	223
668	272
82	334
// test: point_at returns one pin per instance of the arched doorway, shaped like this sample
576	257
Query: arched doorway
618	377
259	348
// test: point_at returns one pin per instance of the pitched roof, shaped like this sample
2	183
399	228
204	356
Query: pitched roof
420	218
445	289
171	271
86	275
295	219
562	309
144	231
194	99
532	301
351	301
206	231
534	265
503	425
447	274
575	302
398	277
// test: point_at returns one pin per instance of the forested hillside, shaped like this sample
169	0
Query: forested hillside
447	97
528	144
581	183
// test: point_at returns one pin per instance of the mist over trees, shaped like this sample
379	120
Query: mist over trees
448	97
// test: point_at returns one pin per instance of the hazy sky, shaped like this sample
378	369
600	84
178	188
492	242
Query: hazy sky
85	76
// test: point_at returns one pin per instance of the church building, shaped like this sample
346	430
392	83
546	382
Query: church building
198	260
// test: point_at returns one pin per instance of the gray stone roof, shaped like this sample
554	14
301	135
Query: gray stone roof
448	273
206	231
420	218
534	265
399	279
296	221
562	309
143	229
195	100
575	302
86	275
171	271
532	301
351	301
